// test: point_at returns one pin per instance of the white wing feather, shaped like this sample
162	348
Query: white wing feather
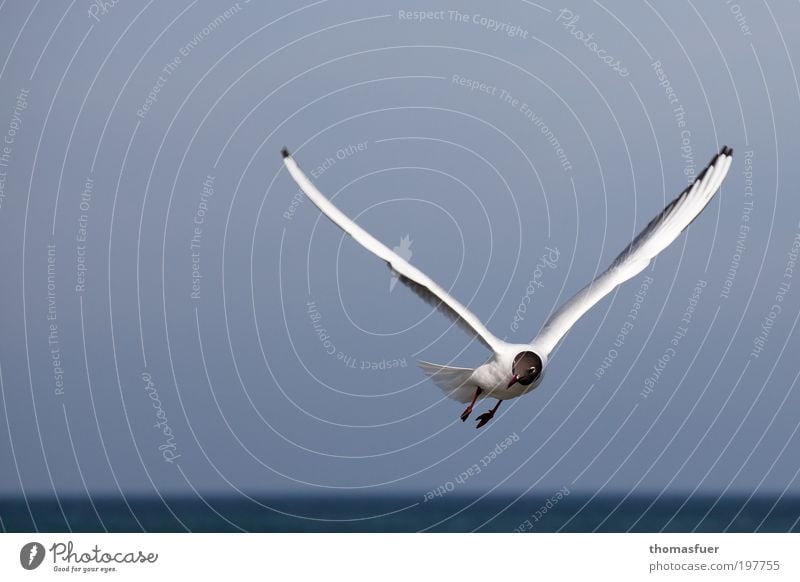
654	238
418	281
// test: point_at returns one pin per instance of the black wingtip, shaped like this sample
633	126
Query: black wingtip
726	151
285	152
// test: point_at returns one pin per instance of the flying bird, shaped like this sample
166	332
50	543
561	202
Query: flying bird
516	369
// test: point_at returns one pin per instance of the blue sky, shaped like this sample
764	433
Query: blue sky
214	333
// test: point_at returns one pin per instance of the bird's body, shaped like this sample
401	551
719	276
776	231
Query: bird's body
492	377
516	369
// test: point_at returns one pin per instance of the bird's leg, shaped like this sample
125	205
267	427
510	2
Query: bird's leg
468	411
487	416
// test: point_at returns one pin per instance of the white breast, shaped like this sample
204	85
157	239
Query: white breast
493	377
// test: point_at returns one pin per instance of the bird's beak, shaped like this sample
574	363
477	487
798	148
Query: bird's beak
514	380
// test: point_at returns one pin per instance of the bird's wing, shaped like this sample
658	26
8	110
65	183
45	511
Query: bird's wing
412	277
655	237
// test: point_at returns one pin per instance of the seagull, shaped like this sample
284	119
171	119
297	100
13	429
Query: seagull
516	369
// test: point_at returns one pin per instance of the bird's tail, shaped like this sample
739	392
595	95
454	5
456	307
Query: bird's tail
454	382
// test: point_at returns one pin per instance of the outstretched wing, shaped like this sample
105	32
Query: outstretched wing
655	237
409	275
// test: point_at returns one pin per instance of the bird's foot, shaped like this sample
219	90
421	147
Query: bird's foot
484	418
468	411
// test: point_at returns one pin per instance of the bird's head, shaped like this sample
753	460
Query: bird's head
526	368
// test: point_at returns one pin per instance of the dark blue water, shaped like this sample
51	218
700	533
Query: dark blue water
450	513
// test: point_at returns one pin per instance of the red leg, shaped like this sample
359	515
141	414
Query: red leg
487	416
468	411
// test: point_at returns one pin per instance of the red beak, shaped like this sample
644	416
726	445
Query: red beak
514	380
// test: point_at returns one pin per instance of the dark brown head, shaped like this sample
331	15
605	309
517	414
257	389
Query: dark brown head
526	368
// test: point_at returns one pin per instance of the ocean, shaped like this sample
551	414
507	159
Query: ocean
448	513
